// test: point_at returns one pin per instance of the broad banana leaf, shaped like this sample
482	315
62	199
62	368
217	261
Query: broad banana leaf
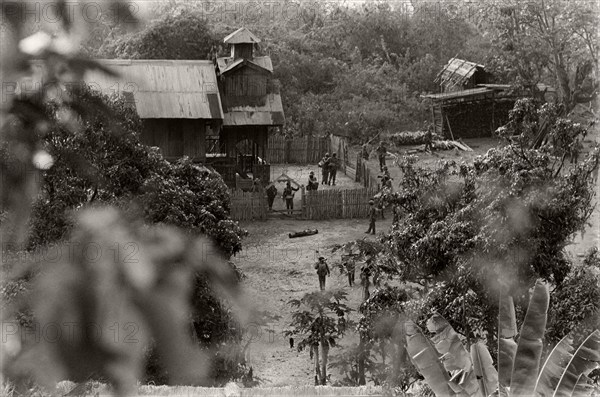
529	349
584	360
483	367
448	344
554	367
584	388
507	347
455	357
427	360
464	383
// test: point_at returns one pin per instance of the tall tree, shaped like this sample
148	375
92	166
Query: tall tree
175	35
547	38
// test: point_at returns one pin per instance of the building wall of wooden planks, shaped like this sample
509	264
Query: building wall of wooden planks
300	150
245	87
337	204
176	137
246	206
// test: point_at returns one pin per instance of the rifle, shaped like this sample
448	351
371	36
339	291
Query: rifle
370	140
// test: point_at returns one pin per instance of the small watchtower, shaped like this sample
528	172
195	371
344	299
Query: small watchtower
252	110
242	43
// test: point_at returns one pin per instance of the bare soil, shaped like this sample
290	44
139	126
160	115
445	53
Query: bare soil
279	269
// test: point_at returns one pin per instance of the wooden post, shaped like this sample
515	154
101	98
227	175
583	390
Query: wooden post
287	150
450	128
493	112
358	164
303	202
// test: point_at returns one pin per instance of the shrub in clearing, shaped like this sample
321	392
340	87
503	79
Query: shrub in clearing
411	138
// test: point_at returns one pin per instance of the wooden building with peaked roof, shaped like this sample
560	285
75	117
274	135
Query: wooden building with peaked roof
252	106
177	101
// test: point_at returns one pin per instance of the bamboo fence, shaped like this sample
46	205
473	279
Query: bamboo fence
336	204
366	175
355	202
247	206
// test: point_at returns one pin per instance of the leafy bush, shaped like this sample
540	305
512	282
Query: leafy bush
104	162
575	304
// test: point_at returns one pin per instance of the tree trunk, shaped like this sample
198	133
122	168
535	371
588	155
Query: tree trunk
399	359
317	365
361	362
361	346
365	279
324	352
563	82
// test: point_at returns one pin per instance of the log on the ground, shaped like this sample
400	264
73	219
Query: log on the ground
462	146
307	232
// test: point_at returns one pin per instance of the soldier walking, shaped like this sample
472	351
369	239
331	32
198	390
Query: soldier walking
322	271
372	217
365	151
271	194
333	166
350	269
324	164
429	139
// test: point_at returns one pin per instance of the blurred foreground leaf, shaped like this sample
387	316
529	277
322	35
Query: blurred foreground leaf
114	285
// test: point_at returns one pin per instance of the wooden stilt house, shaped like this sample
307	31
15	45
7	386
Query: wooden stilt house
467	105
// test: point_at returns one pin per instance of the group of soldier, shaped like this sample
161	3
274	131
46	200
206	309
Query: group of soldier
329	166
381	151
323	271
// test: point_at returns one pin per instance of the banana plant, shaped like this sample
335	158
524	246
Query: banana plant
450	371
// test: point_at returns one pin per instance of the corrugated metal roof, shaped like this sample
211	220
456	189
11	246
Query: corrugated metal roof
163	88
242	35
460	94
225	63
457	72
271	113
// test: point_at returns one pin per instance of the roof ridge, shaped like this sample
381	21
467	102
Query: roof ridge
243	34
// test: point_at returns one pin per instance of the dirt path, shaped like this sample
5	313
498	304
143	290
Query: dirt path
279	269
